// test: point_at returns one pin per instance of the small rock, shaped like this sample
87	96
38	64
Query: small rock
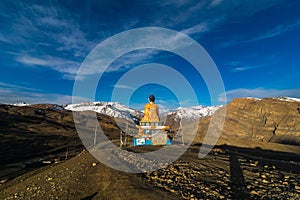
169	181
263	176
254	164
265	181
172	191
3	181
286	177
94	164
253	192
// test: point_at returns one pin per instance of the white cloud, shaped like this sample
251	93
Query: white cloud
257	93
138	44
3	38
67	67
168	104
15	95
38	30
123	87
237	66
64	28
54	29
199	28
10	86
215	3
11	93
278	30
281	29
28	60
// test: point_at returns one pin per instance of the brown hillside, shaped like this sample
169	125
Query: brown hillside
43	130
269	120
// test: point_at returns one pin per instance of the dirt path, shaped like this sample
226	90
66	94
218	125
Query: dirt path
81	177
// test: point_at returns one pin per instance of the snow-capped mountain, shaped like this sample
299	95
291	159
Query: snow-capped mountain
193	113
21	104
288	99
113	109
281	98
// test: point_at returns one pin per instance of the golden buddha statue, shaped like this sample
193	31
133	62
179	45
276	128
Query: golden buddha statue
151	111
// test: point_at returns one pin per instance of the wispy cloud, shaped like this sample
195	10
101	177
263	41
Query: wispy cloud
51	29
67	67
215	3
199	28
18	94
63	28
257	93
168	104
281	29
3	38
29	60
127	87
13	86
237	66
46	36
140	46
278	30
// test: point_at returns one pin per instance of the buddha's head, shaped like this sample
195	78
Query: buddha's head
151	98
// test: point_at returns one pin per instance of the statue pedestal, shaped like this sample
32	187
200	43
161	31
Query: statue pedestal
151	133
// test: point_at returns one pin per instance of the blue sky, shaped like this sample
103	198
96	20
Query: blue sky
254	44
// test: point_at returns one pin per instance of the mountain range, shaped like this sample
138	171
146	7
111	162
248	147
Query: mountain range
115	109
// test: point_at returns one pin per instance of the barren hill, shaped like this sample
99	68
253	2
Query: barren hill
35	131
268	120
42	132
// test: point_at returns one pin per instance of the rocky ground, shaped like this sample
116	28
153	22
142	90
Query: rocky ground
226	173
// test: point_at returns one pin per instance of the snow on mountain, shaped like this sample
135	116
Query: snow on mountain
113	109
194	113
20	104
253	98
290	99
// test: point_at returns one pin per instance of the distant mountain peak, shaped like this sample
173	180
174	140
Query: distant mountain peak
113	109
21	103
116	109
291	99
